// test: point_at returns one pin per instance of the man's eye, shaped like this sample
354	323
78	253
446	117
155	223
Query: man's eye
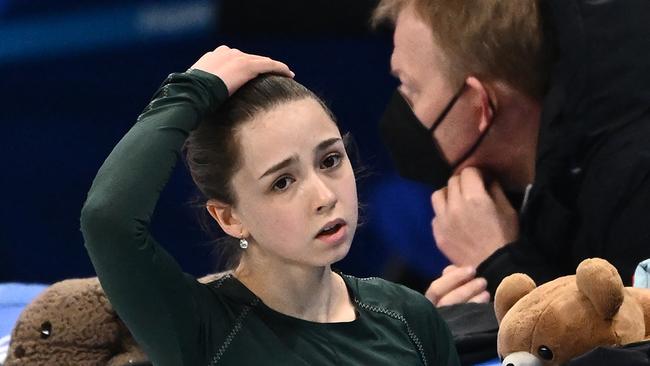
282	184
331	161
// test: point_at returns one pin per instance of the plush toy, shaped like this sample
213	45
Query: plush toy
564	318
72	323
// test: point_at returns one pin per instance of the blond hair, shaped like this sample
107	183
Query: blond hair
494	40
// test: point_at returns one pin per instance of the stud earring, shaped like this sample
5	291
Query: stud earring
243	243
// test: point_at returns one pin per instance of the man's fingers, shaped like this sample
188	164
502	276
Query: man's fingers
497	193
471	183
464	292
439	200
448	282
454	190
473	172
449	268
483	297
431	295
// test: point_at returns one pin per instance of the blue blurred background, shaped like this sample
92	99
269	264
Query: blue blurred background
74	76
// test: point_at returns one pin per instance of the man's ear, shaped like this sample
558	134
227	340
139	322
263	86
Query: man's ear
224	214
483	101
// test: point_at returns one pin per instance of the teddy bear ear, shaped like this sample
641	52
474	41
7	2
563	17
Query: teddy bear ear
510	290
600	282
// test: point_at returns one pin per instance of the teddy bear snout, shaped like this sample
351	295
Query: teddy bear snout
521	359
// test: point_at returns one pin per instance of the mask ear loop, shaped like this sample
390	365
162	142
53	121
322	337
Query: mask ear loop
448	108
477	143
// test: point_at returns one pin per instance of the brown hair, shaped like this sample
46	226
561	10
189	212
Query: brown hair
494	40
213	153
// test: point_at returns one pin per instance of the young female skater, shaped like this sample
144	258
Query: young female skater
273	167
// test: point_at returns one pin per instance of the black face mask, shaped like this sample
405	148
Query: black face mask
412	147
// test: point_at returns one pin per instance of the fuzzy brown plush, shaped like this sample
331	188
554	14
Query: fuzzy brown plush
72	323
564	318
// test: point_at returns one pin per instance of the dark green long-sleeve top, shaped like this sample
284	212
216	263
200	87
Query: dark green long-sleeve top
179	321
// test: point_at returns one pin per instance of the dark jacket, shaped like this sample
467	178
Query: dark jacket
591	196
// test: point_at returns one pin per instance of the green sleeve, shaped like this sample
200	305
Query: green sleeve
434	331
145	285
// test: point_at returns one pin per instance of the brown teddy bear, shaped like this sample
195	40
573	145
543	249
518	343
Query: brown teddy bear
72	323
564	318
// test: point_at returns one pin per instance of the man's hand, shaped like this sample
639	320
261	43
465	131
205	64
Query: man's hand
457	285
472	222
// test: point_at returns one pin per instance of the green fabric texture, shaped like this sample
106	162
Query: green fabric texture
179	321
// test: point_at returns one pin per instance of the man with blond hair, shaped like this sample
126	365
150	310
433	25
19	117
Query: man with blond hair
530	96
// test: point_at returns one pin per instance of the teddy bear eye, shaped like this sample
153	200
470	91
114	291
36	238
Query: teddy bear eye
46	330
545	353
